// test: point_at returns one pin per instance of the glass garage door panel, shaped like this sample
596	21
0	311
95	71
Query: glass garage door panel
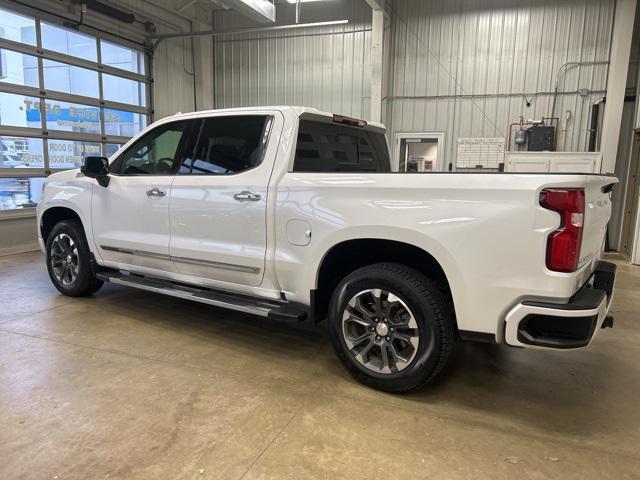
123	90
18	68
122	123
19	110
21	152
117	56
57	104
72	117
17	192
70	79
16	27
69	153
71	43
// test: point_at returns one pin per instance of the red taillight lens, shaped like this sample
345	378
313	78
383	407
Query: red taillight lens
563	244
352	122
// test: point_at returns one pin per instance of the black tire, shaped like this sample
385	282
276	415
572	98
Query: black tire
432	312
84	283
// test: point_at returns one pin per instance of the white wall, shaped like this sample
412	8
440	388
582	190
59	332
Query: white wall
18	235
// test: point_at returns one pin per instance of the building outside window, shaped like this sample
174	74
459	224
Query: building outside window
64	94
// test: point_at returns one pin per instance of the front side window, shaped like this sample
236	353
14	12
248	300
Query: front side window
228	145
157	152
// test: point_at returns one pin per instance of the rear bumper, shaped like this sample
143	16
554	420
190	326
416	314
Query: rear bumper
564	326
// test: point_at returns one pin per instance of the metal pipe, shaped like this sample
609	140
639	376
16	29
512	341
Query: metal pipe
298	12
213	33
561	69
593	127
485	95
296	35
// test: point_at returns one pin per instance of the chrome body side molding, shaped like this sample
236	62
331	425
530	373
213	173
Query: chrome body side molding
194	261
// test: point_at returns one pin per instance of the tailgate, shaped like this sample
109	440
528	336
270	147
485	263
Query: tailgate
596	217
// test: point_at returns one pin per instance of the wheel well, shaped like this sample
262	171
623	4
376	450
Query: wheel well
53	216
350	255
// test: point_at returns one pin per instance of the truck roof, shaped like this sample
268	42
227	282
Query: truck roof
301	112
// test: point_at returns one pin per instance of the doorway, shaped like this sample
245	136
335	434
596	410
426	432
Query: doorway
420	152
630	215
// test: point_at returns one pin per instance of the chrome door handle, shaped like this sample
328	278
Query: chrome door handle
155	193
246	195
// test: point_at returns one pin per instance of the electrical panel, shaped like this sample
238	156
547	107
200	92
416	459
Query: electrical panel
541	138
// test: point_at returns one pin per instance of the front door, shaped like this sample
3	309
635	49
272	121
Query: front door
131	215
218	207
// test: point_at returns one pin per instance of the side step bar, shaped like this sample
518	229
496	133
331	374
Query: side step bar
239	303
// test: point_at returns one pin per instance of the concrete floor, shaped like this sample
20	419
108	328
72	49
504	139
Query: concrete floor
129	384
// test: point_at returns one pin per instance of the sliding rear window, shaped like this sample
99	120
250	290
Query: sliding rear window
330	147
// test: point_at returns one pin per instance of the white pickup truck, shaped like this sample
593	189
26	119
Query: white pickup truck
294	214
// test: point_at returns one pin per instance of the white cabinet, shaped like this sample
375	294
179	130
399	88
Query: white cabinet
564	162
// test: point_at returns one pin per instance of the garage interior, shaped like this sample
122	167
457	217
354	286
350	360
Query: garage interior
130	384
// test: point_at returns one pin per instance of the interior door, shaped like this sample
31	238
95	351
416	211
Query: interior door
420	152
131	215
218	202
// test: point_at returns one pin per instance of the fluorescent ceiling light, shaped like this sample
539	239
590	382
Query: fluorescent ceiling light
261	11
305	1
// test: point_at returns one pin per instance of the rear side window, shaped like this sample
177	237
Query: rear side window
228	145
329	147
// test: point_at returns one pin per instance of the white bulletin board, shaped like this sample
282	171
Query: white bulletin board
480	153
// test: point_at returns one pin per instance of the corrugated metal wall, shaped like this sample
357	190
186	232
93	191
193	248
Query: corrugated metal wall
475	64
322	67
464	67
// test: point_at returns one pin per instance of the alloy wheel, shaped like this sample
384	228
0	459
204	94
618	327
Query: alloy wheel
65	262
380	331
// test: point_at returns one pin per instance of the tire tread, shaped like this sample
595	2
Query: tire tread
87	282
442	316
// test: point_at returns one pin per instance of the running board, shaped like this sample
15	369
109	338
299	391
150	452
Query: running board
239	303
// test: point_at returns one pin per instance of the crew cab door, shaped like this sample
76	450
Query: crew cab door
130	217
218	207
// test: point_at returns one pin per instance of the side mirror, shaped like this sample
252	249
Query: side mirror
96	167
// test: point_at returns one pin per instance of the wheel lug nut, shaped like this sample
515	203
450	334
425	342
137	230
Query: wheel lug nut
386	338
377	338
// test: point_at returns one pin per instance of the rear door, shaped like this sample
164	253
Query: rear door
219	199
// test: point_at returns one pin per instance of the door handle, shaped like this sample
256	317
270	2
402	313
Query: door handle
246	195
155	193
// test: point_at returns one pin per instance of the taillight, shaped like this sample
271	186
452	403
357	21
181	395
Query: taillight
563	244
